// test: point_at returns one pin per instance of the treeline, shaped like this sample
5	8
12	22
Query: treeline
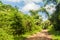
55	18
14	22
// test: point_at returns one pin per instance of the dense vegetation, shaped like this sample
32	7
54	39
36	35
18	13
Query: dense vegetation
15	25
55	21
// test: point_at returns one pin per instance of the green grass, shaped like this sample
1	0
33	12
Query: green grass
27	34
55	34
56	37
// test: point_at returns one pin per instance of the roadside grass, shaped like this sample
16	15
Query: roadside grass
55	34
27	34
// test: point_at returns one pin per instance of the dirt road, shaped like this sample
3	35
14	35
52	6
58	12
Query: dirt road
43	35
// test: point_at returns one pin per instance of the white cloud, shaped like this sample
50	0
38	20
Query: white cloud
30	6
29	1
37	1
13	0
50	8
26	1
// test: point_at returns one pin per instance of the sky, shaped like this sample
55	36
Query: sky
27	5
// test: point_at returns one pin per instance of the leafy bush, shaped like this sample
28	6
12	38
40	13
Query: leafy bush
14	22
55	18
4	35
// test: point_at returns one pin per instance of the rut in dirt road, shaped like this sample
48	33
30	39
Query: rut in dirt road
43	35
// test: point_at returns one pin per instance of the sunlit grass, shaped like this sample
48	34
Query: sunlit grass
56	37
27	34
55	34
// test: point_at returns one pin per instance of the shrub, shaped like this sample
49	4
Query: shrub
4	35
